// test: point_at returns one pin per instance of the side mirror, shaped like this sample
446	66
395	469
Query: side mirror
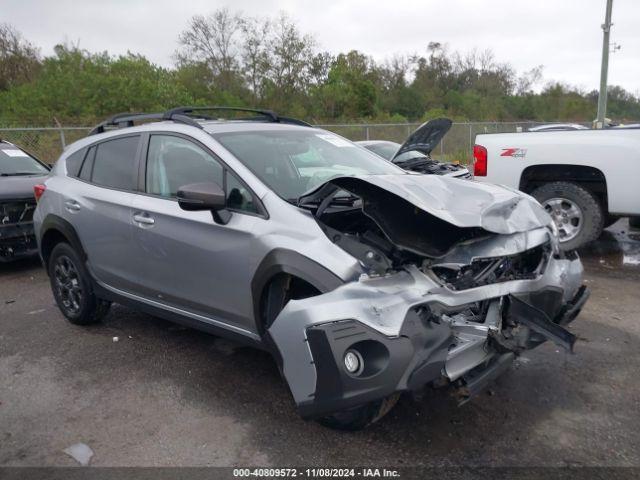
204	196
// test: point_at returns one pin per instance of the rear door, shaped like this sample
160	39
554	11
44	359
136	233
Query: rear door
99	207
184	259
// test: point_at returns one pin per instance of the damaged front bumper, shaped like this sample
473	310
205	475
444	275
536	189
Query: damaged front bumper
409	330
17	237
17	241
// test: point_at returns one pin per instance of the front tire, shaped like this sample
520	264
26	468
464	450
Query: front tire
575	211
71	287
362	416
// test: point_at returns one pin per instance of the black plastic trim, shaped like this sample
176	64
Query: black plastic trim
106	294
53	222
287	261
335	389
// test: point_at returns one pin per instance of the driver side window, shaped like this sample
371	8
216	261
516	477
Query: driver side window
173	162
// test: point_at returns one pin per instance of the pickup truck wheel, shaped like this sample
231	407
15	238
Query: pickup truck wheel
575	211
71	287
362	416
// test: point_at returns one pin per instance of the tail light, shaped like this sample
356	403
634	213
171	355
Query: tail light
480	161
38	190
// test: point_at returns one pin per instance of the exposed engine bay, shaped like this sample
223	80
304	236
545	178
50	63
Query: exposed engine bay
429	166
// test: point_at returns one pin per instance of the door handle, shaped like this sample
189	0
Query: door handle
143	219
72	205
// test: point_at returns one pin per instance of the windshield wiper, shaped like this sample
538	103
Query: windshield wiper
18	174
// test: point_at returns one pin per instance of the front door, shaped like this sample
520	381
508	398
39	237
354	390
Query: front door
185	259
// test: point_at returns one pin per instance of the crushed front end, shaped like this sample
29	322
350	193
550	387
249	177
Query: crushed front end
17	238
454	311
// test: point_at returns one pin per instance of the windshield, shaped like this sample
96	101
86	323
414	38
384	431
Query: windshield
410	155
294	162
389	149
14	161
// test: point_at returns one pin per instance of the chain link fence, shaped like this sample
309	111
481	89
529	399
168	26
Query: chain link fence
47	143
456	146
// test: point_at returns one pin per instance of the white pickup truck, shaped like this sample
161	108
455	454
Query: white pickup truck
586	179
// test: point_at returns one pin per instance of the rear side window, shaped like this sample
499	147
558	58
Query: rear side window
114	163
74	162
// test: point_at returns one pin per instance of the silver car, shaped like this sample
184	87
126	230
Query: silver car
362	280
414	154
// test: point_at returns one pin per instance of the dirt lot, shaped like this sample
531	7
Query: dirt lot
164	395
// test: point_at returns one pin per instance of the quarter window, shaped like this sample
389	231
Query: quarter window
173	162
74	162
87	165
114	163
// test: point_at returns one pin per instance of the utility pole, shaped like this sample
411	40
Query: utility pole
602	97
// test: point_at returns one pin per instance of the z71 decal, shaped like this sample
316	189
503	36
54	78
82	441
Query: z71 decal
514	152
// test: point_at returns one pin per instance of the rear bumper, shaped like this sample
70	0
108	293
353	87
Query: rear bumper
411	332
17	241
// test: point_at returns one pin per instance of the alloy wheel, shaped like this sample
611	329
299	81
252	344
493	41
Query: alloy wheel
567	216
68	286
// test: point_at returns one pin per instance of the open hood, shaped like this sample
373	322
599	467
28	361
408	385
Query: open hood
429	214
426	137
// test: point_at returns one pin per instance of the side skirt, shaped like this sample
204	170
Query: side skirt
176	315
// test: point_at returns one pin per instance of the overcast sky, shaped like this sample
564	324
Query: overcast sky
563	35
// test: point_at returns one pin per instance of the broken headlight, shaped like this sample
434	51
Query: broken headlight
525	265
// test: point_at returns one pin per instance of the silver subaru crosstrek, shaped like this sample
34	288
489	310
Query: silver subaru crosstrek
363	280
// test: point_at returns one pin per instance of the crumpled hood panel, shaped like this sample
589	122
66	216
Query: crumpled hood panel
460	202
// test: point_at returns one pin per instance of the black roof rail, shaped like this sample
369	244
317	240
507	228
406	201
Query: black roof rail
270	115
123	120
186	116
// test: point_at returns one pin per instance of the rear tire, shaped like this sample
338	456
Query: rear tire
559	198
71	286
634	222
362	416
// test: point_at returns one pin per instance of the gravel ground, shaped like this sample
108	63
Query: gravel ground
163	395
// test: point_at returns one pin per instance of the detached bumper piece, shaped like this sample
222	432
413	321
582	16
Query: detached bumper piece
572	309
481	377
539	322
475	381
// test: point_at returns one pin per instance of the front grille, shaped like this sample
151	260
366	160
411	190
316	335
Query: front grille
525	265
12	213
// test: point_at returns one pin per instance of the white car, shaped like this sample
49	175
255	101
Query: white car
585	179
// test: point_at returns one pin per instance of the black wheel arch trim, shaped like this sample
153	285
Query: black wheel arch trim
281	260
54	222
